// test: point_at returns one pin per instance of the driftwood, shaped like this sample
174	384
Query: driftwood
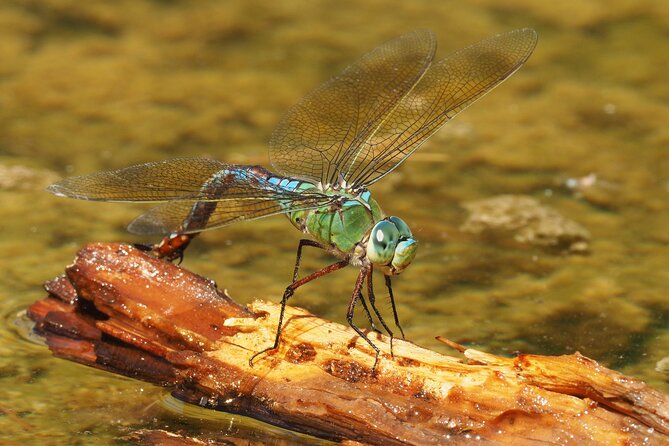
121	310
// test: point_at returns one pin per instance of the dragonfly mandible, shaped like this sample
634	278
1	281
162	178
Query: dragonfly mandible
326	151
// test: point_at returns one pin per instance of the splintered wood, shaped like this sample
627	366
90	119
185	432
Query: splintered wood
120	310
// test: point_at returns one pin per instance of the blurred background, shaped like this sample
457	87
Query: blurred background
581	129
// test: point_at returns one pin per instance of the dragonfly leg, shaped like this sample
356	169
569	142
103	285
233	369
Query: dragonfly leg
392	303
364	273
369	315
290	289
304	242
372	303
307	242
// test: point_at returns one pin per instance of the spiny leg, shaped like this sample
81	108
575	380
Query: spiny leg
290	289
369	315
372	303
392	303
298	259
351	307
304	242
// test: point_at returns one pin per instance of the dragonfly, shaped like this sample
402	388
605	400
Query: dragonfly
326	151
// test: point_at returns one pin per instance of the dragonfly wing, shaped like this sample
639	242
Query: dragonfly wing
192	217
450	86
332	122
197	193
174	179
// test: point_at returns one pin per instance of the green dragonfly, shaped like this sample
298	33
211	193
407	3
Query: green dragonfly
326	151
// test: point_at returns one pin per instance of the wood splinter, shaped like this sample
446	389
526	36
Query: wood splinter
121	310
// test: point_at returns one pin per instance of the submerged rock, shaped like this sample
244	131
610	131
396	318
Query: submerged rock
528	220
662	365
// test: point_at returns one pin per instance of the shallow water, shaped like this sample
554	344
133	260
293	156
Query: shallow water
96	84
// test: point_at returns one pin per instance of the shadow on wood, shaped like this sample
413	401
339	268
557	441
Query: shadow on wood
120	310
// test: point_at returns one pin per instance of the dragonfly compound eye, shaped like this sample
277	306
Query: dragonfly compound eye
402	227
382	242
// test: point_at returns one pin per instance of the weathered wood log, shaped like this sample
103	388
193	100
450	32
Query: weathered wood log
121	310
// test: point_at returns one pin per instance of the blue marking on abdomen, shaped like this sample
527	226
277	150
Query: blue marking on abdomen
274	180
288	184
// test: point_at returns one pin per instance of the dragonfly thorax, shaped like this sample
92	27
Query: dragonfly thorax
353	227
391	247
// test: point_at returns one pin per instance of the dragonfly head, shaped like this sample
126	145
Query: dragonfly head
391	246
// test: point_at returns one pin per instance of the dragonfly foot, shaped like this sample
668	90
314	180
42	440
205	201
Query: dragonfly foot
376	363
255	355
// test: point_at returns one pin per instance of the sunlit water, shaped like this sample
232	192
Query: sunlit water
110	84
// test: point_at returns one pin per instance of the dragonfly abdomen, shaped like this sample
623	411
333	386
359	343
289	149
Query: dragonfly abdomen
225	183
221	183
289	184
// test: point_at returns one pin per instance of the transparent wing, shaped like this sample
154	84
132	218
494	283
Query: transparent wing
450	86
192	217
198	193
365	122
175	179
314	136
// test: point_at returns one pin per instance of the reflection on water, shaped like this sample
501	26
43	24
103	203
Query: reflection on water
582	129
210	424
